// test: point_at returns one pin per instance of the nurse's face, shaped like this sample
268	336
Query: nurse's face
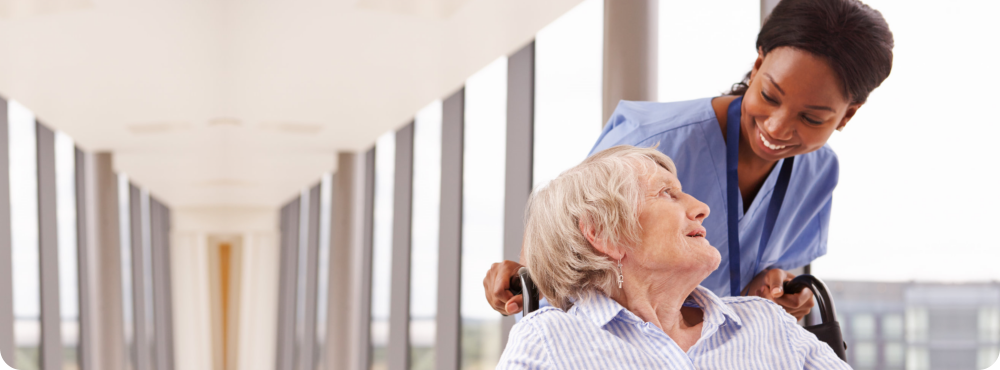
794	103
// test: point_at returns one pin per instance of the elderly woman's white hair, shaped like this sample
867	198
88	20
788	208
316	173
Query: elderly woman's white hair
605	192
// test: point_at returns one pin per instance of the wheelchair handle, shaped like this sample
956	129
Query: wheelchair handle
820	291
523	285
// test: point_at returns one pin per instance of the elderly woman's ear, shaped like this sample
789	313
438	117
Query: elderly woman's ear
599	243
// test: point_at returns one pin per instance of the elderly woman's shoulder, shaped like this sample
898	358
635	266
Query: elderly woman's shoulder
548	317
545	315
751	305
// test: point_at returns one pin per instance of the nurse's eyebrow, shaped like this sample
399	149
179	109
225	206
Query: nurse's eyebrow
816	107
774	83
820	107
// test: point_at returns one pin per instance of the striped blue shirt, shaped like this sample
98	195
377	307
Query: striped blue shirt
598	333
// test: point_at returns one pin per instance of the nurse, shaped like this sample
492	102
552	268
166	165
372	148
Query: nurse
758	155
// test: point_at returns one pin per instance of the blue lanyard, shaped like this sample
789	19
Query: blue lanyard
733	195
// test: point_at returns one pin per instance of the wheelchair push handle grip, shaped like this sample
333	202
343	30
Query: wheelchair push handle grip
515	285
820	292
521	284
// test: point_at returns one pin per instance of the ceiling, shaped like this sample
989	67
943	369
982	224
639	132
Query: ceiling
218	103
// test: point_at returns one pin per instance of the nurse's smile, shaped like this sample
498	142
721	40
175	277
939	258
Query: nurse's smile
793	104
770	143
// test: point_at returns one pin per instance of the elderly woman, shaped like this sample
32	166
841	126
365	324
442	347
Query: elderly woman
619	250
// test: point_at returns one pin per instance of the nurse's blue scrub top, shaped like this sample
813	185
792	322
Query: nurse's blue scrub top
688	132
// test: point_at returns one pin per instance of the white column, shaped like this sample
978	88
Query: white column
102	335
630	52
340	309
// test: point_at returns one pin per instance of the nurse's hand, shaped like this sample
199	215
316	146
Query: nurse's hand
496	285
768	284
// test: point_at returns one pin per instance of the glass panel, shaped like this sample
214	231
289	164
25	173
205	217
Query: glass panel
424	234
703	56
125	258
24	235
69	302
916	324
568	90
864	355
323	275
863	326
894	355
484	161
892	327
385	167
917	358
989	324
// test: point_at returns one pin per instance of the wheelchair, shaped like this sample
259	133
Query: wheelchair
828	331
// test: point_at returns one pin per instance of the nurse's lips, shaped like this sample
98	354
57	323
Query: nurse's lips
769	142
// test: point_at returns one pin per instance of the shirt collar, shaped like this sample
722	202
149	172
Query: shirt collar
601	309
716	311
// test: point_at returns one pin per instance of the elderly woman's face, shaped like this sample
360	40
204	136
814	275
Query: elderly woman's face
672	235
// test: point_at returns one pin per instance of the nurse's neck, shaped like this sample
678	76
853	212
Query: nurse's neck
752	169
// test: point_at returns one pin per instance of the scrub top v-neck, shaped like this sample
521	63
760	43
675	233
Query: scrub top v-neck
688	132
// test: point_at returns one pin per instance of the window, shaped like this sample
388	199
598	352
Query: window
864	355
568	90
989	324
863	326
892	327
916	324
125	258
424	234
705	47
894	355
69	302
385	165
917	358
483	179
24	236
323	275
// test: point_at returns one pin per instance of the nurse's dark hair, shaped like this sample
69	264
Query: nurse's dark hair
851	36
